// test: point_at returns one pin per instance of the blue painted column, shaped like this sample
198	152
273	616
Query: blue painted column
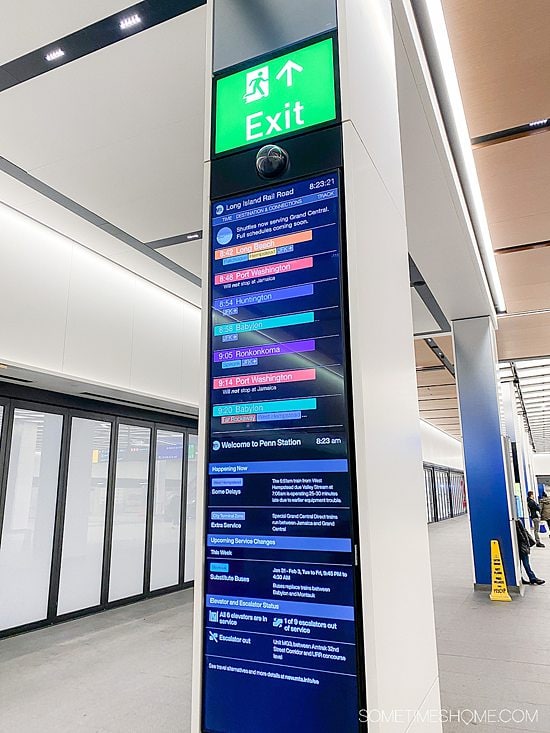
488	495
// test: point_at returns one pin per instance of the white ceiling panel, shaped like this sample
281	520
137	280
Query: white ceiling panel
154	187
30	24
187	254
29	202
147	81
120	131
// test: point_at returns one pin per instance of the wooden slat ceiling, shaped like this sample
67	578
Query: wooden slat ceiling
524	336
515	179
425	357
525	277
500	49
437	397
502	55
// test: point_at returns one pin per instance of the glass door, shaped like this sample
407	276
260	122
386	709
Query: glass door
191	502
29	516
84	521
127	566
167	509
429	486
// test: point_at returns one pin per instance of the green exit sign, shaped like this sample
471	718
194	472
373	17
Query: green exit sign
284	95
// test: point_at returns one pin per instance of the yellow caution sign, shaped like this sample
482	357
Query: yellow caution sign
499	589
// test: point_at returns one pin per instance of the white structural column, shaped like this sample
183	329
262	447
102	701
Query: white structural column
400	648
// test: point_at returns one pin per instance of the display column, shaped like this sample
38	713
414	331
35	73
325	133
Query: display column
489	496
314	605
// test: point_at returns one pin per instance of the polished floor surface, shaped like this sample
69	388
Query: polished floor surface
123	671
493	657
128	670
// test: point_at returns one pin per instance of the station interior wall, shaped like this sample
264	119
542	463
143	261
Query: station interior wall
541	464
70	312
439	448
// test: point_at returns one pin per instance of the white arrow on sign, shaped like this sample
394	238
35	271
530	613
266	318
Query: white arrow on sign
287	69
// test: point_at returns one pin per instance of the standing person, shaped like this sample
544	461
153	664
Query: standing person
545	509
525	542
534	513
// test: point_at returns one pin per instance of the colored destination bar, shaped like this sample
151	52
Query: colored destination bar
232	419
235	260
275	542
251	408
323	465
264	324
264	244
251	380
279	416
265	253
219	567
227	482
277	268
260	352
268	296
234	364
289	608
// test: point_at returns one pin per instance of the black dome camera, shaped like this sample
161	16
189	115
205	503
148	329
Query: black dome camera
272	161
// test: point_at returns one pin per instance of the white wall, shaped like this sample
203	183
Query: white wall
541	464
440	448
68	311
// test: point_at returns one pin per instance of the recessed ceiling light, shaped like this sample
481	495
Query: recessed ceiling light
130	21
57	53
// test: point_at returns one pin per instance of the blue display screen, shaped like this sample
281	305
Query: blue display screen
281	608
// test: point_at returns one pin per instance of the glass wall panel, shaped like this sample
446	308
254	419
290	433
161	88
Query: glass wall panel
442	487
29	517
130	510
84	526
191	514
428	482
166	551
459	496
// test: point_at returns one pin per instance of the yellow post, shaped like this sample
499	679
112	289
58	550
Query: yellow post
499	589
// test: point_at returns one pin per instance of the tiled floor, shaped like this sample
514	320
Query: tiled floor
492	656
128	670
123	671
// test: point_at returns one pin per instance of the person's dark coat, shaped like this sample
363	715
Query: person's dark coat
534	508
525	541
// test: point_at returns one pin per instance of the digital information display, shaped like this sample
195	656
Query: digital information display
281	618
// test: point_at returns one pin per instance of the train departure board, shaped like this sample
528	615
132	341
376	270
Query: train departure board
281	603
